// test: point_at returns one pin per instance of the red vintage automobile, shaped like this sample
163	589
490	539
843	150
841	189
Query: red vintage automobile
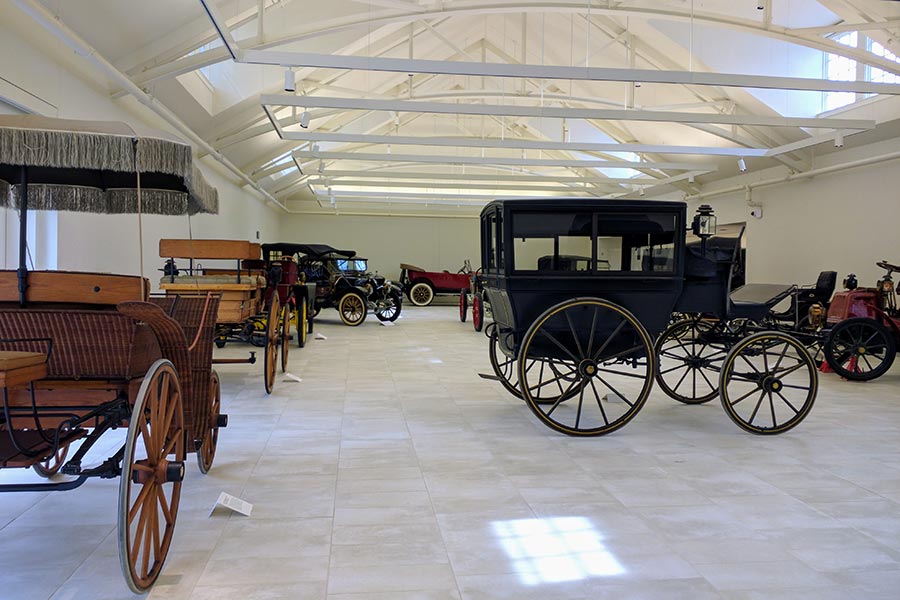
863	341
421	285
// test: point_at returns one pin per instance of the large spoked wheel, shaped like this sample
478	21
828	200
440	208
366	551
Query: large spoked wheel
352	308
689	361
768	382
477	312
504	366
285	336
860	349
463	304
390	312
596	349
273	339
152	471
421	294
207	452
303	328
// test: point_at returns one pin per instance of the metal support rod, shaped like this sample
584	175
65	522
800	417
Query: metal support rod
23	234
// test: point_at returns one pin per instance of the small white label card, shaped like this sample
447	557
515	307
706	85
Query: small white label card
319	336
387	324
292	377
232	503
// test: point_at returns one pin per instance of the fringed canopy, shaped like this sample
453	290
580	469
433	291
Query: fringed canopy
89	166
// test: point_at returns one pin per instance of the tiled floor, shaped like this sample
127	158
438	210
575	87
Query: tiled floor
393	472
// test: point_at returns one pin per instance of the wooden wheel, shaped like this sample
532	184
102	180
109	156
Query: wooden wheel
689	361
505	369
207	452
302	325
352	308
272	340
768	383
463	304
152	471
595	348
477	312
285	335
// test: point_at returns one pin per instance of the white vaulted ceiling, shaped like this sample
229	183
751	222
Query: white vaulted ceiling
436	106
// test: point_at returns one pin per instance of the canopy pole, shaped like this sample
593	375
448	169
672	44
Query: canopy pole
140	207
23	234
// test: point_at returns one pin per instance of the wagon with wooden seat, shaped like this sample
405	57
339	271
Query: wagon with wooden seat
85	353
247	313
575	338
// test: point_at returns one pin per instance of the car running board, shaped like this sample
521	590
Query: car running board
491	377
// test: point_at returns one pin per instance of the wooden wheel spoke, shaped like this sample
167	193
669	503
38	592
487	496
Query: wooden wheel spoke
599	399
574	334
146	435
752	366
558	344
675	368
633	375
171	445
800	364
590	345
561	398
786	401
139	501
680	381
745	396
596	356
795	387
781	358
762	396
708	382
772	410
866	360
615	391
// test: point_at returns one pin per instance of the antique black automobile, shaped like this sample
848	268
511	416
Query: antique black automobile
575	338
343	282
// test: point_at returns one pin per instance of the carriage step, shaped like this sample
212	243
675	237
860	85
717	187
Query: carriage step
491	377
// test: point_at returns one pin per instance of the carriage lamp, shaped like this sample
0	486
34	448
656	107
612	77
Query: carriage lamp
704	225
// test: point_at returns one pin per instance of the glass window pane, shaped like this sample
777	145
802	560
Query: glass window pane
550	241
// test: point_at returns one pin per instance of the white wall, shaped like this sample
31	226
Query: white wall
434	244
844	222
108	243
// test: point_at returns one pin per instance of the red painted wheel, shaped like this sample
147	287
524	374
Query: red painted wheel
463	305
477	312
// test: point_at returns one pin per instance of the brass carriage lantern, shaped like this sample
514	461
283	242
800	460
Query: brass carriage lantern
704	225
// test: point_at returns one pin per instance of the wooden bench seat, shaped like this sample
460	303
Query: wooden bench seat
209	249
212	283
74	288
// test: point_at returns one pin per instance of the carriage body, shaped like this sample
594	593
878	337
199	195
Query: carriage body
538	253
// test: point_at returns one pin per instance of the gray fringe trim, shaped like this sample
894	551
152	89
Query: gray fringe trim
93	200
76	150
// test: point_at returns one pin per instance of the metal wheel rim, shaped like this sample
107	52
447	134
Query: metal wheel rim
207	453
285	336
167	438
271	354
845	345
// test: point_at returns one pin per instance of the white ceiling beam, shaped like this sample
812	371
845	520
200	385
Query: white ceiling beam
476	69
426	196
845	26
221	27
398	4
450	159
451	185
514	143
558	112
337	174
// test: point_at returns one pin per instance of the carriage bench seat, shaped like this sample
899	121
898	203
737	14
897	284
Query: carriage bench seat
213	282
754	300
238	301
19	368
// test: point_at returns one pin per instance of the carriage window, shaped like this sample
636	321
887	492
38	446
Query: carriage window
552	242
636	242
489	237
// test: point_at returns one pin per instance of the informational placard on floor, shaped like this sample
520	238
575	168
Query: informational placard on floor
232	503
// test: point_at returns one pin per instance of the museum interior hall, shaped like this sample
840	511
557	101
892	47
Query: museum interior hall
449	299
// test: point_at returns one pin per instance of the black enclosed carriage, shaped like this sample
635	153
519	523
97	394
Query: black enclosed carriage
581	288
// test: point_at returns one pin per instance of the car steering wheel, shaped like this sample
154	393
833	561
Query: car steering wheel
887	266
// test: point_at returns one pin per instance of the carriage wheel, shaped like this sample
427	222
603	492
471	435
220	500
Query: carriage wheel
302	325
421	294
477	312
285	336
207	452
272	341
594	348
504	366
463	304
768	382
152	471
860	349
689	362
352	308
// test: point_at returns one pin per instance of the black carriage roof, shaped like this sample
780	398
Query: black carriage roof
311	250
569	203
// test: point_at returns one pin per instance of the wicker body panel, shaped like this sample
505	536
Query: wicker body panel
197	317
86	344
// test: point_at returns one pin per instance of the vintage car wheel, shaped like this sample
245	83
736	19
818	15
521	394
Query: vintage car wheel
689	362
285	336
352	308
477	312
391	313
272	340
421	294
463	304
768	382
152	472
596	349
303	322
860	349
206	454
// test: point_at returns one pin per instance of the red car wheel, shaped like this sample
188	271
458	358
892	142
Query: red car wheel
477	312
463	305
